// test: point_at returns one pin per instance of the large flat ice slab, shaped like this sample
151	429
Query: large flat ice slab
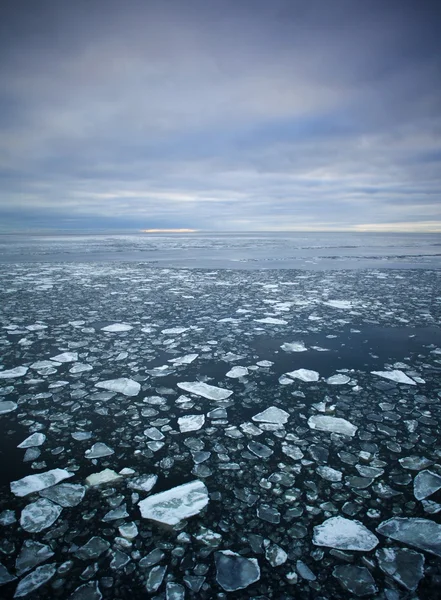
211	392
332	424
174	505
344	534
39	515
123	385
421	533
235	572
395	375
117	327
35	483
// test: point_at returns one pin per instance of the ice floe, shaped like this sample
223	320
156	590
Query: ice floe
35	483
395	375
13	373
191	423
39	515
117	327
272	415
420	533
235	572
123	385
344	534
210	392
304	375
332	424
174	505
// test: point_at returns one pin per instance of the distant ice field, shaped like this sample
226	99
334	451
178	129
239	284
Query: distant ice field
233	250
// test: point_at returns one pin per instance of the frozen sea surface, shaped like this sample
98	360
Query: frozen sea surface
323	485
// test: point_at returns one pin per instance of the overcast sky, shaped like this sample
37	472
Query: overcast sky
220	115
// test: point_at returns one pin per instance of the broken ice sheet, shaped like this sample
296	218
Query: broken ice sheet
35	483
356	580
7	406
237	372
294	347
35	580
174	505
404	565
32	554
39	515
13	373
98	450
421	533
425	484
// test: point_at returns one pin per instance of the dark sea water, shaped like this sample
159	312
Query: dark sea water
339	331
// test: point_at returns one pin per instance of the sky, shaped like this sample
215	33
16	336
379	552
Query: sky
220	115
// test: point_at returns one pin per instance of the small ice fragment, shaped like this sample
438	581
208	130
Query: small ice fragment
65	494
35	483
174	505
105	476
80	368
344	534
32	554
117	327
272	415
425	484
339	303
259	449
65	357
235	572
13	373
264	363
125	386
275	555
36	439
210	392
92	549
404	565
356	580
395	375
191	423
332	424
143	483
329	473
153	433
304	375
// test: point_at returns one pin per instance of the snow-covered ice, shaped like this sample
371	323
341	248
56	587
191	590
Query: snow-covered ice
191	423
304	375
294	347
237	372
117	327
13	373
344	534
65	357
40	481
39	515
174	505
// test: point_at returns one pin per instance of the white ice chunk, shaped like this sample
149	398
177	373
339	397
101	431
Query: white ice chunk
294	347
203	389
117	327
304	375
395	375
13	373
344	534
36	439
80	368
191	423
183	360
35	483
123	385
98	450
332	424
339	304
175	330
272	415
105	476
271	321
65	357
237	372
264	363
174	505
338	379
39	515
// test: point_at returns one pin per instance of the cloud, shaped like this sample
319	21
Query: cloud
220	115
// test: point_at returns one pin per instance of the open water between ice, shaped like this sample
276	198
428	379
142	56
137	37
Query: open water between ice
208	433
